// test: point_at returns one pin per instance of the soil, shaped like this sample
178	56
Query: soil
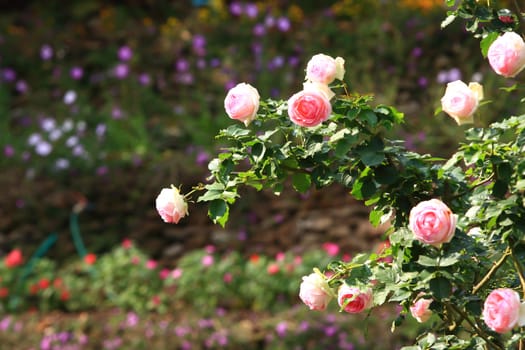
120	204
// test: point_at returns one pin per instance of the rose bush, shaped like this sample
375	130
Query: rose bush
444	259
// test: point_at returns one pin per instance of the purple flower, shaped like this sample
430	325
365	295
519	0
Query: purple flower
125	53
182	65
251	10
205	323
70	97
9	151
48	124
116	113
259	29
417	51
101	130
269	21
8	75
181	331
242	235
102	170
43	148
330	331
76	73
281	328
144	79
21	86
62	163
422	81
121	71
454	74
201	63
283	24
4	324
235	8
46	52
215	62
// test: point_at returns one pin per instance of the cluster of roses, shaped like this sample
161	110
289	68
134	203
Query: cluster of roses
431	222
506	56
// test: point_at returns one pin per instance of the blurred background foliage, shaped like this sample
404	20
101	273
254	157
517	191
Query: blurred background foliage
89	84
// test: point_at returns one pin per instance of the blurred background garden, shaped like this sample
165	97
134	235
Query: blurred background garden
103	103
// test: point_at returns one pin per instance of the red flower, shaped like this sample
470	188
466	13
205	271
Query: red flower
14	258
33	289
4	292
254	258
64	295
43	283
127	243
57	283
272	269
90	258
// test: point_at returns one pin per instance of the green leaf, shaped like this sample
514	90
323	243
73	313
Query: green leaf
369	117
218	211
301	182
486	42
440	287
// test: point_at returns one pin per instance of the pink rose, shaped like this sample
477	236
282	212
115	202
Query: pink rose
324	69
420	310
432	222
314	291
309	108
501	311
242	103
461	101
353	299
507	54
171	205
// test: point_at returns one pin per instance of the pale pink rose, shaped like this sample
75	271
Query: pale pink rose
461	101
309	108
501	311
242	103
353	299
207	260
324	69
171	205
314	291
325	89
420	310
507	54
432	222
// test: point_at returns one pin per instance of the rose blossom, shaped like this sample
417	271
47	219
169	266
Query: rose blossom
353	299
506	54
314	291
432	222
324	69
461	101
171	205
420	310
502	310
242	103
309	108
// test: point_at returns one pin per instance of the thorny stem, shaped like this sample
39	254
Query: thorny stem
479	331
492	270
518	9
